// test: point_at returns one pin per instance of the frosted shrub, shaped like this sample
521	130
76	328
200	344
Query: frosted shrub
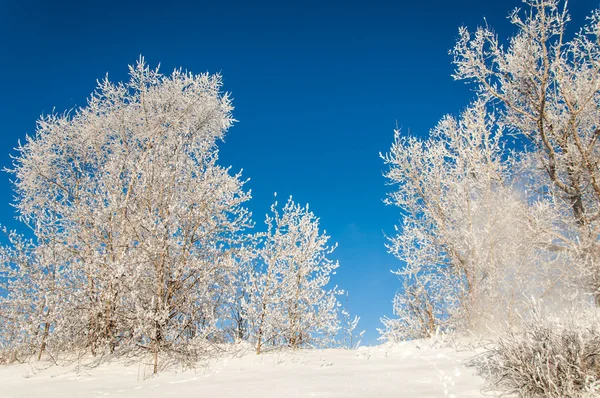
545	359
288	302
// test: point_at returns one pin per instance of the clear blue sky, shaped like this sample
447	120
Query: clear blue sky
317	85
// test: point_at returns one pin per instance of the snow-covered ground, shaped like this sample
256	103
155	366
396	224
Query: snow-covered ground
405	370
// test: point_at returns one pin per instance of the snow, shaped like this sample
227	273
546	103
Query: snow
400	370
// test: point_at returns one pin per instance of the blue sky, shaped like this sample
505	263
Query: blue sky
318	87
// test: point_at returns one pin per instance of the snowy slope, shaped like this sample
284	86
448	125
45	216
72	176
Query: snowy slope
405	370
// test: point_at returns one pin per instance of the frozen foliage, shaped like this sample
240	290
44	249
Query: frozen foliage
470	242
484	227
140	236
288	302
141	222
32	280
547	90
352	337
545	359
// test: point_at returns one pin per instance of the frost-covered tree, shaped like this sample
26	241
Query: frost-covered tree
34	296
479	222
129	191
546	86
470	241
139	235
290	302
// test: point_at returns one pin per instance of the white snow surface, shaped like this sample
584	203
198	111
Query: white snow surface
389	370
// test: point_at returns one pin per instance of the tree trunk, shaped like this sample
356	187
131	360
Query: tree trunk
44	337
260	330
155	348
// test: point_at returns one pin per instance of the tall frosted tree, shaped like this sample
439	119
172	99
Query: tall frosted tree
545	84
475	214
129	191
471	243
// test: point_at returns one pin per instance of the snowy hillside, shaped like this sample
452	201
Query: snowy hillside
405	370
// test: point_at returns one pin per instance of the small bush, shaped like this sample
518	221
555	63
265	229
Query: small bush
545	359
